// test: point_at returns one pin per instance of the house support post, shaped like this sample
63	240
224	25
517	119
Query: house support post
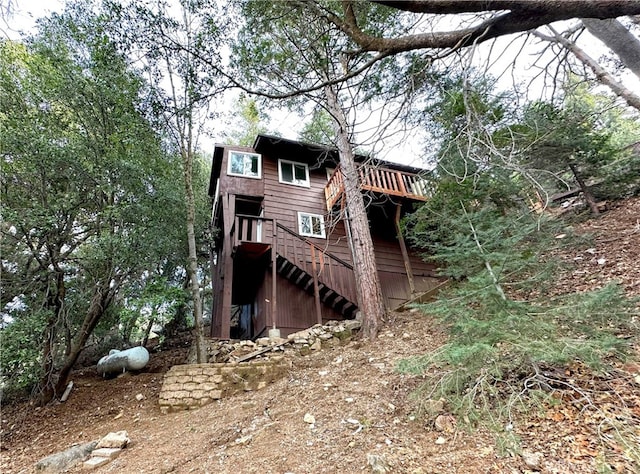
228	211
316	286
403	249
274	273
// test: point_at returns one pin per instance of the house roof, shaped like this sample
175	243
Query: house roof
315	155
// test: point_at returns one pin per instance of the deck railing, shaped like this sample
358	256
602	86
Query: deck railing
380	180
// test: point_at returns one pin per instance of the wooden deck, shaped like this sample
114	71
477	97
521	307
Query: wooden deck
379	180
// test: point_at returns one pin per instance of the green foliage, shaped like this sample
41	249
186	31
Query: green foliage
90	199
319	129
587	137
20	357
154	303
504	327
497	346
247	122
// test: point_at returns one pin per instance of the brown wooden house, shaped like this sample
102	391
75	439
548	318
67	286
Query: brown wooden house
281	257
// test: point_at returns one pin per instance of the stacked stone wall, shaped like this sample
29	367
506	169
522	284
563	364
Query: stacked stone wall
191	386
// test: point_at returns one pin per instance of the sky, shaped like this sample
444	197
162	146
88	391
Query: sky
24	14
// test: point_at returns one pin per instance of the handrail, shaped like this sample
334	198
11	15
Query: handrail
317	247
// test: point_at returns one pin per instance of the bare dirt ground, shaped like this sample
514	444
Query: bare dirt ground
363	408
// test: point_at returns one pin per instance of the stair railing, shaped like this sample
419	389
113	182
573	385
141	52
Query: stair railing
328	269
332	271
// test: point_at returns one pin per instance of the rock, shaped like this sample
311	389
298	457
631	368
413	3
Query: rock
305	350
343	335
441	440
244	439
61	461
316	346
299	335
309	418
263	341
352	324
377	463
140	397
433	407
118	440
532	460
109	453
446	423
95	462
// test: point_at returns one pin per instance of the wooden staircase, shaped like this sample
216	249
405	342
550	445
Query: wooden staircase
328	296
311	268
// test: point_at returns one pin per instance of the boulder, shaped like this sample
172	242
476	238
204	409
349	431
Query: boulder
62	461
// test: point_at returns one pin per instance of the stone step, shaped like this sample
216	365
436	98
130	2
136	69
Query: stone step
94	462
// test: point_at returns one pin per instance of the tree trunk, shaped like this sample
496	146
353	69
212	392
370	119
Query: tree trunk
102	298
370	301
55	303
147	331
192	267
618	39
591	201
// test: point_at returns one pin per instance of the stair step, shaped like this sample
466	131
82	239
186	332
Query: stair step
303	280
307	283
329	298
349	311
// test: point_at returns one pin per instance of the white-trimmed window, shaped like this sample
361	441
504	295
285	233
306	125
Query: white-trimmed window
290	172
329	173
311	225
244	164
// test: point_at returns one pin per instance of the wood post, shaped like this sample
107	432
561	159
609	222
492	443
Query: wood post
403	249
274	275
228	214
316	286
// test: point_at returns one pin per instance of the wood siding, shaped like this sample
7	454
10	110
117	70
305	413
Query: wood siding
239	185
283	201
296	309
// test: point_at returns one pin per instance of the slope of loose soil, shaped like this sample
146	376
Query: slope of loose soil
362	406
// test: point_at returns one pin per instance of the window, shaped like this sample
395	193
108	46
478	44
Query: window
293	173
311	225
329	173
244	164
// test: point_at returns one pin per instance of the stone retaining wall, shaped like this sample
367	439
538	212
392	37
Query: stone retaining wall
190	386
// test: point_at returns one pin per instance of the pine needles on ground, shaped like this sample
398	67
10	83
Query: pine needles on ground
509	339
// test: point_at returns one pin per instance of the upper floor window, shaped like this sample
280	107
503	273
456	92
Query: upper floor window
248	165
311	225
293	173
329	173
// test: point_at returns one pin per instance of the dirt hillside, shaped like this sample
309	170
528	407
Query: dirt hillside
365	417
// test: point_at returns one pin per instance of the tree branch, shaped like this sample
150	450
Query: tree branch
521	15
601	74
